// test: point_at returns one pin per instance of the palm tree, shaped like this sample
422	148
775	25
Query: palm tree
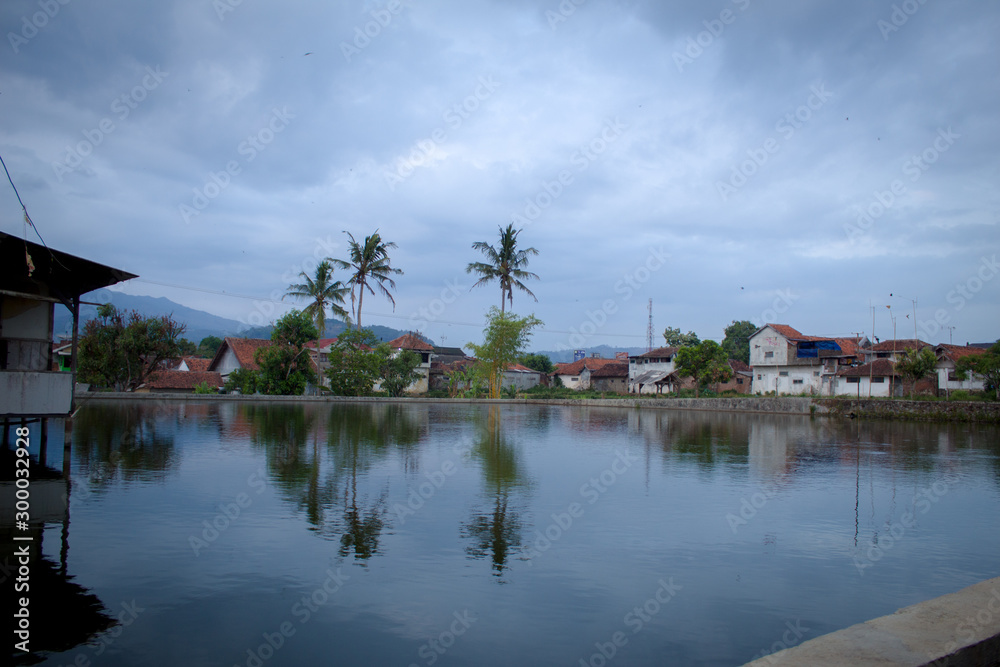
370	263
504	264
324	291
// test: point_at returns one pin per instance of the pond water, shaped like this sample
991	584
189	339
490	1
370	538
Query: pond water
263	534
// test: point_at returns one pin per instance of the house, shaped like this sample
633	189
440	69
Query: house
422	349
741	380
893	350
786	361
447	355
876	379
611	378
33	279
521	377
180	382
237	353
194	364
577	374
320	357
653	372
948	357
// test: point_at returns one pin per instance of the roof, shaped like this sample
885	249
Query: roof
657	353
57	274
577	367
787	331
899	345
877	368
956	352
521	368
449	351
323	342
243	348
197	364
183	379
739	367
410	342
655	377
618	370
849	346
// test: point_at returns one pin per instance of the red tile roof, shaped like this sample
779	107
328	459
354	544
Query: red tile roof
956	352
849	346
243	348
658	353
877	368
899	345
410	342
613	370
183	380
521	367
739	367
577	367
787	331
323	343
197	364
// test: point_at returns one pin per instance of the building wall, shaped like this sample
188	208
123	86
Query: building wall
790	380
883	389
228	363
637	367
768	341
611	385
946	368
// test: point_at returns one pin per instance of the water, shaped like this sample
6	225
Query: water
263	533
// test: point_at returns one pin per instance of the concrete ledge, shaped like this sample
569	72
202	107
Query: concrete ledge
958	630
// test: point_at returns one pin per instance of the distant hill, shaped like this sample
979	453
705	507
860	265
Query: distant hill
606	352
199	323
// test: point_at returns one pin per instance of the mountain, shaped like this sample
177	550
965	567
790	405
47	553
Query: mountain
606	352
199	323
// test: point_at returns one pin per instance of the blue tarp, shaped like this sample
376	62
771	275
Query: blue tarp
809	349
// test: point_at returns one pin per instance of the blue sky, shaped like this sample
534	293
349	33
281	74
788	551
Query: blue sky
738	159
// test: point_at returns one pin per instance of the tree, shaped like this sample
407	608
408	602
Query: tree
242	380
123	350
208	346
399	370
736	344
285	367
353	370
985	365
323	291
185	348
915	366
504	340
505	264
675	338
371	264
537	362
706	363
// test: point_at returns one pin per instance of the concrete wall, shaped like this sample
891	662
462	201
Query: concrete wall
30	394
973	411
959	630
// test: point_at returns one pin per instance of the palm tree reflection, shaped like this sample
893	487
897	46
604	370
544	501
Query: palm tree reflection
495	532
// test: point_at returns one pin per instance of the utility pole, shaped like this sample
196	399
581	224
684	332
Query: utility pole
951	336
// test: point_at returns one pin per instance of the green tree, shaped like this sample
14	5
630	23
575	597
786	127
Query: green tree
371	265
915	366
706	362
353	369
208	346
285	367
675	338
736	344
323	291
504	264
185	348
242	380
123	350
537	362
204	388
399	370
504	340
987	366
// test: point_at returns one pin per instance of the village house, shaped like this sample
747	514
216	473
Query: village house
180	382
237	353
786	361
653	372
741	380
33	279
577	375
611	378
893	350
876	379
948	356
422	349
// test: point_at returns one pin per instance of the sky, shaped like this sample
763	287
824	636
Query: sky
825	165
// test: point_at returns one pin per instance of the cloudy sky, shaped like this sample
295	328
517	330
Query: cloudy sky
735	159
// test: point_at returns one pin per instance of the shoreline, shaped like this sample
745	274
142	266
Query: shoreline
896	410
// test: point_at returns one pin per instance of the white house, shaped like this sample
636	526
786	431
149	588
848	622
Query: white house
786	361
237	353
423	350
577	374
948	356
653	372
877	379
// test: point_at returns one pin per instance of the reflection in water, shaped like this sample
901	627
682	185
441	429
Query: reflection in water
316	456
495	533
130	441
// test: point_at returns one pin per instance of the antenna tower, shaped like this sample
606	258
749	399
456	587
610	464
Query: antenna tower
649	329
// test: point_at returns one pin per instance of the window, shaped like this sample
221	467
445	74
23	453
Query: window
576	379
758	376
878	380
783	374
797	381
853	380
815	374
952	377
769	355
739	380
